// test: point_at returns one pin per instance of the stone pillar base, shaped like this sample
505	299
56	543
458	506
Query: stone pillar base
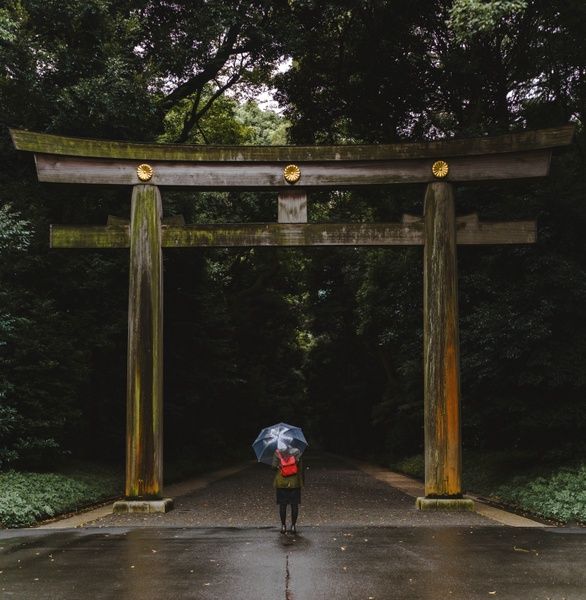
143	506
445	504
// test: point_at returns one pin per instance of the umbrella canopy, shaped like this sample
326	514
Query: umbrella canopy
278	437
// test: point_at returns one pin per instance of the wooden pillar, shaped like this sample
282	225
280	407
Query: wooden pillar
144	413
443	458
292	207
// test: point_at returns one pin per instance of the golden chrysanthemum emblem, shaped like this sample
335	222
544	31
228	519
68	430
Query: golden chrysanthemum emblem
440	169
291	173
144	172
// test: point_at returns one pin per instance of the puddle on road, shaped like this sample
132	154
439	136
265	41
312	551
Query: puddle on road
290	542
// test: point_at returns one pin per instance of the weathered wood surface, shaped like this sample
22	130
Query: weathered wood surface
64	169
275	234
144	416
292	207
67	236
443	460
512	142
471	231
313	234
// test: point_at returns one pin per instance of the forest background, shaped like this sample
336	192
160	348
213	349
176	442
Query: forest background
330	339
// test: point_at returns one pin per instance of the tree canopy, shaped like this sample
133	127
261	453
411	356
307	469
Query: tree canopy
328	339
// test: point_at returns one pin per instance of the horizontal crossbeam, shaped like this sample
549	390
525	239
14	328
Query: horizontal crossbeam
408	233
521	141
269	175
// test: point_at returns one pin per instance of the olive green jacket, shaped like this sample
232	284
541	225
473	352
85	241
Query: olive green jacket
293	481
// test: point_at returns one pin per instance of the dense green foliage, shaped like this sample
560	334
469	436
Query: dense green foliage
370	73
29	497
534	485
26	498
560	496
329	339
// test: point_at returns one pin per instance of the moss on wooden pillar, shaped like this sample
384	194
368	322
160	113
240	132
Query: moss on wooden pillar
443	459
144	426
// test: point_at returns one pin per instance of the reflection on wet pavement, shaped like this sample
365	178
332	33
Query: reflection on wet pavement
323	562
358	539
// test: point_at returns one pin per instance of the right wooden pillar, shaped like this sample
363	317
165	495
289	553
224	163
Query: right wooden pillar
441	347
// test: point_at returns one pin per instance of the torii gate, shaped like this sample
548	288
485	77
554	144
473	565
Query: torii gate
292	171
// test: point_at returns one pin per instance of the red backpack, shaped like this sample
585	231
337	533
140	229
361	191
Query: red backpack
287	464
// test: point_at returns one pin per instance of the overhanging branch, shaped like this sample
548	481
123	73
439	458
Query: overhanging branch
209	72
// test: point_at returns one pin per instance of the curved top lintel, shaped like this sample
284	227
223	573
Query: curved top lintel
511	142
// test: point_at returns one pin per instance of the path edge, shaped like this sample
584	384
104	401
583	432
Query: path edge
415	488
174	490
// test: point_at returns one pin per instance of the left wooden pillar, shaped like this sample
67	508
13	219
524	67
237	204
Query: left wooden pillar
144	408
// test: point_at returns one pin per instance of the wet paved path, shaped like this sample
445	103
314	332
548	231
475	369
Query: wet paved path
359	539
336	493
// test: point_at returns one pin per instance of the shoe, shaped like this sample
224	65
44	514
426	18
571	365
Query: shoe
283	529
293	530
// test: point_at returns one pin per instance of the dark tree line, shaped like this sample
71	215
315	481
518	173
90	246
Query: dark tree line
369	72
329	339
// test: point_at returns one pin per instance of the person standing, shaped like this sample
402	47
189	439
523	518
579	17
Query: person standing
288	483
